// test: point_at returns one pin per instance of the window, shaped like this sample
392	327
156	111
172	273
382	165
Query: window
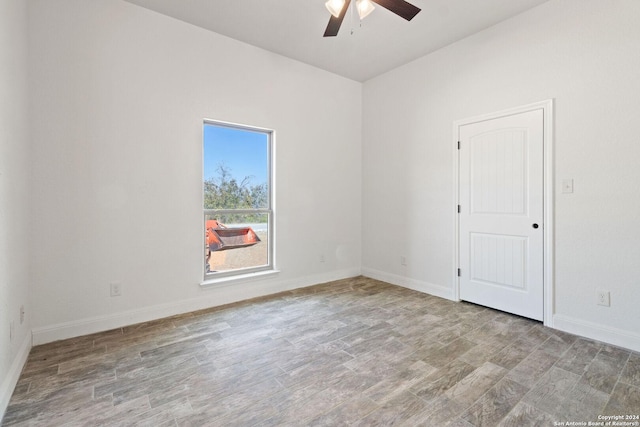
238	195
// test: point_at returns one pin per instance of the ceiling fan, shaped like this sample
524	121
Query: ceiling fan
338	9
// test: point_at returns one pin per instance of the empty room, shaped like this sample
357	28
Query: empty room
312	212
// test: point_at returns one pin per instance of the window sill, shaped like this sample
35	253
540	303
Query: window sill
230	280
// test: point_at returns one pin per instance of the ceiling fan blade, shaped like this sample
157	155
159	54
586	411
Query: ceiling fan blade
399	7
334	23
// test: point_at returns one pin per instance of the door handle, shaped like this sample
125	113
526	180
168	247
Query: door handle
535	225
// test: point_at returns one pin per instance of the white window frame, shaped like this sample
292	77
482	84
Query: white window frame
214	277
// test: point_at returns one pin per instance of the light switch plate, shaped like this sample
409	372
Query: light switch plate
567	186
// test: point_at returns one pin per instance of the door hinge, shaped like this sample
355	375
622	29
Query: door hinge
459	273
459	209
458	145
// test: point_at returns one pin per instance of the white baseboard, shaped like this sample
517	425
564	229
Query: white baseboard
10	381
320	278
406	282
209	298
619	337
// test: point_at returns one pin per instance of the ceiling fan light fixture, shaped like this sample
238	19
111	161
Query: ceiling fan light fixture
335	7
402	8
365	7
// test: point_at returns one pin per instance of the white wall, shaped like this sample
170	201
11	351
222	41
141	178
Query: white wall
584	54
119	94
14	184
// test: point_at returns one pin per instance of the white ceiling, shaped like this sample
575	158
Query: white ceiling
294	28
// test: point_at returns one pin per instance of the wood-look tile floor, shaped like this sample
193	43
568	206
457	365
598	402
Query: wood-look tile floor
352	352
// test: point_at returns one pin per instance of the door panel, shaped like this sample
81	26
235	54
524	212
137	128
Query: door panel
498	182
501	198
498	260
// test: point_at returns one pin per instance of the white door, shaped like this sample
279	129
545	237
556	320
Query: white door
501	212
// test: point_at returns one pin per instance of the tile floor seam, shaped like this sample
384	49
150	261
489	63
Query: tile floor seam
618	381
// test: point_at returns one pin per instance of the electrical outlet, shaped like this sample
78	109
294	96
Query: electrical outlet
322	258
21	314
403	260
603	298
116	289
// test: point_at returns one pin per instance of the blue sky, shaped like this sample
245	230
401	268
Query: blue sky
243	152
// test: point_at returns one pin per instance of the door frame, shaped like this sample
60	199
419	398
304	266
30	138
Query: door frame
548	197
